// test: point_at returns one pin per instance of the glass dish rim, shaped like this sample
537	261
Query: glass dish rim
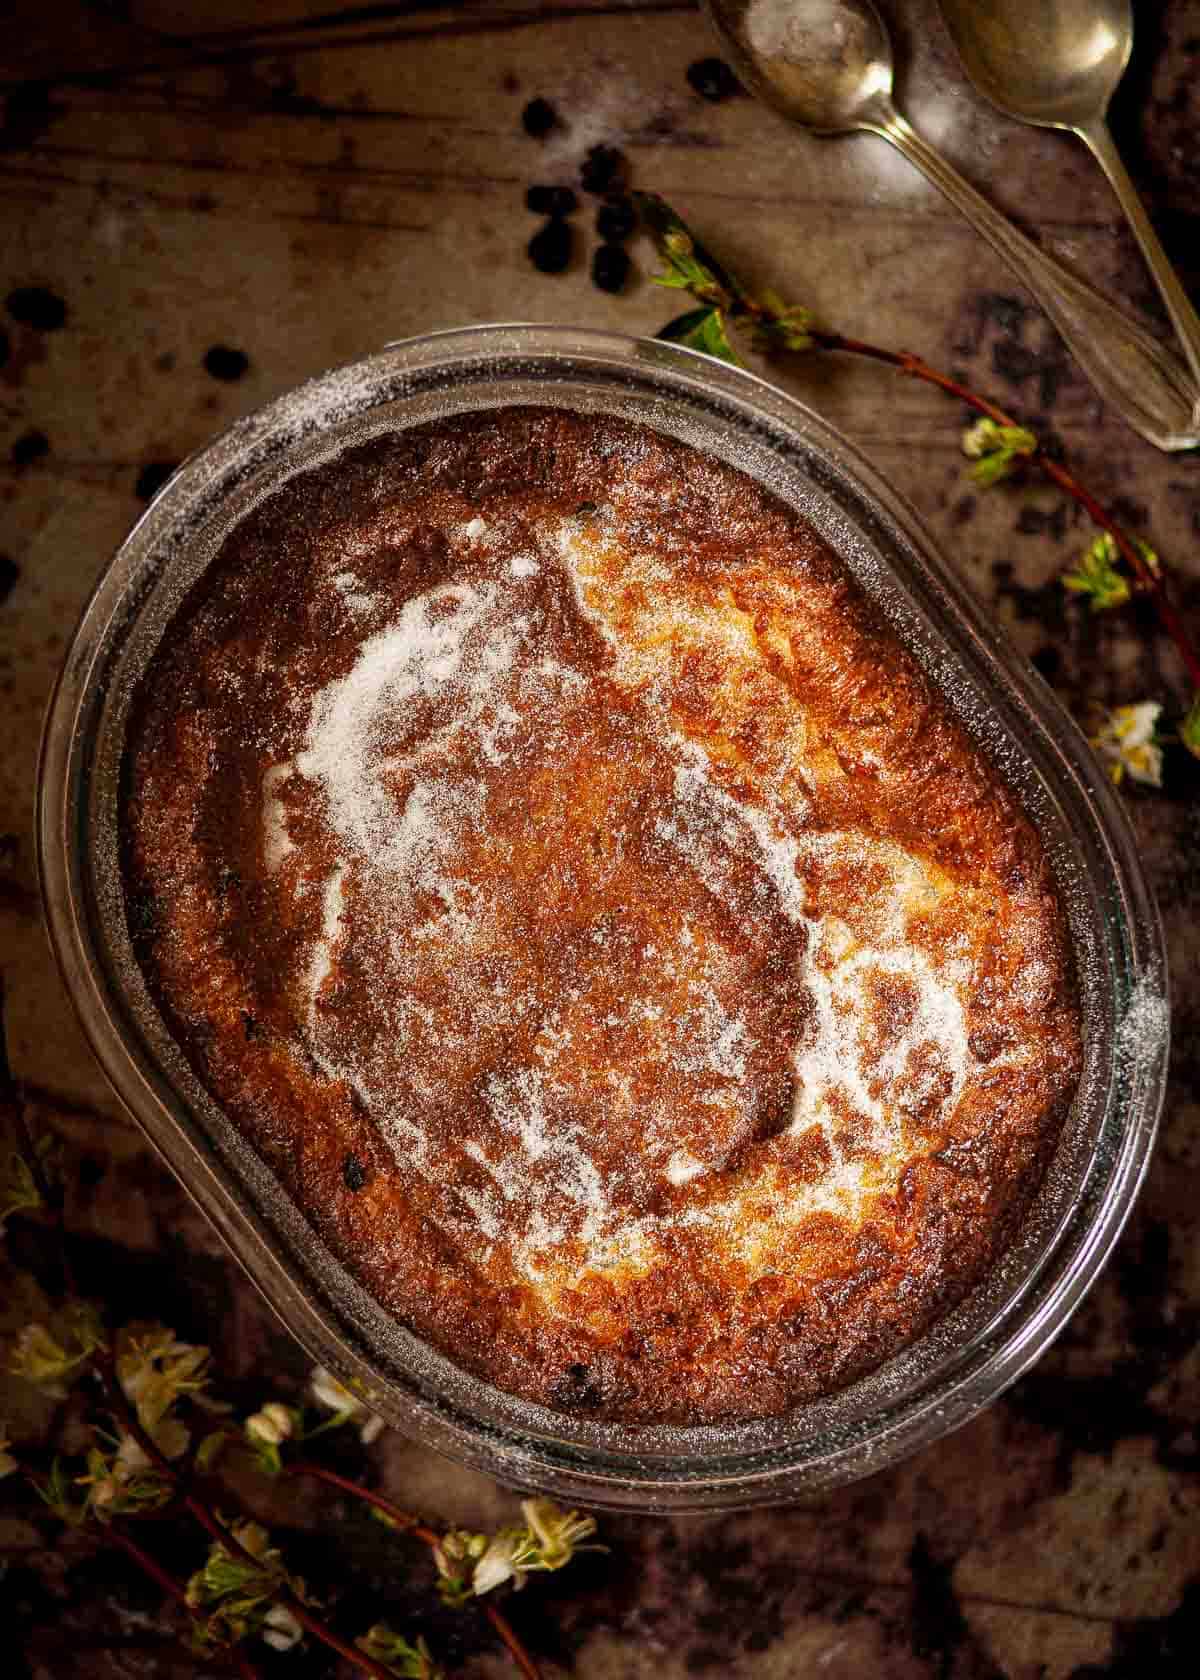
566	1467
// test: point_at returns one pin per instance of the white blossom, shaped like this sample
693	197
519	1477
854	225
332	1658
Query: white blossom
497	1564
327	1391
156	1370
131	1461
1125	741
281	1630
273	1424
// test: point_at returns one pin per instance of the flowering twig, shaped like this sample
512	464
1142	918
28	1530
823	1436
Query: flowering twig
1150	577
145	1373
224	1536
143	1455
178	1592
184	1366
410	1524
725	303
161	1577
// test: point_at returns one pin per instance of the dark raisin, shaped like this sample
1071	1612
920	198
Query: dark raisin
5	346
551	201
354	1173
9	573
250	1027
577	1390
610	267
550	247
538	118
30	447
152	478
616	220
603	169
712	79
223	363
34	306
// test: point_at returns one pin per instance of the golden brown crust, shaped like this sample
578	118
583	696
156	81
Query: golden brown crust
553	864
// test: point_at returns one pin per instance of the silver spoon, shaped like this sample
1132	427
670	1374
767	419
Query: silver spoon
1057	63
827	65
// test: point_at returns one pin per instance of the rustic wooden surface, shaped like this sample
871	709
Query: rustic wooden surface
299	184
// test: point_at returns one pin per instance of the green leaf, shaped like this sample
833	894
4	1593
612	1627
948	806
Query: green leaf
680	328
711	337
690	267
995	449
1097	577
210	1449
783	326
55	1491
702	329
52	1356
19	1192
410	1662
239	1593
1189	729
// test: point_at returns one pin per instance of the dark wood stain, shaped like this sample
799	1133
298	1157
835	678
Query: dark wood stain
28	113
941	1634
31	447
9	573
152	477
499	22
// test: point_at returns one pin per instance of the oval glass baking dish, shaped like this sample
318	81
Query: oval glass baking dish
973	1353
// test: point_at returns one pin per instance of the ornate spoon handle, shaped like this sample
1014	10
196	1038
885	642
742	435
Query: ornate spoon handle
1131	369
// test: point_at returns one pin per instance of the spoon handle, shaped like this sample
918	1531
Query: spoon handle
1179	307
1140	377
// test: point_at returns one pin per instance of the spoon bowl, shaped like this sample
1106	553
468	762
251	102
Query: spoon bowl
1055	64
826	64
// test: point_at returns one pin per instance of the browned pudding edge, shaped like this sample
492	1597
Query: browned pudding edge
698	1338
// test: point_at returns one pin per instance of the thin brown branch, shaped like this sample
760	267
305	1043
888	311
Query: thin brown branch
394	1513
1152	582
168	1584
165	1581
694	269
516	1650
223	1536
413	1525
175	1590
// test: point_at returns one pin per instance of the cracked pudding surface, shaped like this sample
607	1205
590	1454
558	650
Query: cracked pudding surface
556	867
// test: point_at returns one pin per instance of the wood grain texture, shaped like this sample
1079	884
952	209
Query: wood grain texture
301	182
